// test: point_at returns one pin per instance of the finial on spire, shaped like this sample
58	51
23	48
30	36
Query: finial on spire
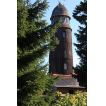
58	3
63	3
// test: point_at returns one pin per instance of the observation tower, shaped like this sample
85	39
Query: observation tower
61	60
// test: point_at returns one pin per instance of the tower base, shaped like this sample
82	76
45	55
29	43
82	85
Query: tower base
67	84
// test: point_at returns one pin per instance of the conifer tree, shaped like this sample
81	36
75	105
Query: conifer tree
33	43
80	14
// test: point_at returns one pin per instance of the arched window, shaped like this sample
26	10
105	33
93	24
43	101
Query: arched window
64	34
68	21
65	19
65	66
53	20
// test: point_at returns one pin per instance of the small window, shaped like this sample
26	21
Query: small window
70	91
63	19
66	19
64	34
53	21
65	66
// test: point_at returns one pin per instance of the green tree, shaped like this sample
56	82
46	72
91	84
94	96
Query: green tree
80	14
33	43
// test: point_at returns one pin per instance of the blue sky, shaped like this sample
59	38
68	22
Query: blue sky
70	5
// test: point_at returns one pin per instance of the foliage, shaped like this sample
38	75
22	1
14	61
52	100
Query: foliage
77	99
80	14
33	43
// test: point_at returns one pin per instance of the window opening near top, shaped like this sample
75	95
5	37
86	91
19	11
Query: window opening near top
65	66
68	21
63	19
64	33
53	20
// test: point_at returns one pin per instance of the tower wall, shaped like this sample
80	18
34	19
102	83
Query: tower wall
61	60
62	54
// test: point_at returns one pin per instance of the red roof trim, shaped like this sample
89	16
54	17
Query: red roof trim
65	27
70	75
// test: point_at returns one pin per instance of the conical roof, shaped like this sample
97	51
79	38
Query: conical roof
60	10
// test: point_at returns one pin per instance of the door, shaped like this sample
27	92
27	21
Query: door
70	91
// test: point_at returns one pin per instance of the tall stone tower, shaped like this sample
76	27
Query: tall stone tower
61	60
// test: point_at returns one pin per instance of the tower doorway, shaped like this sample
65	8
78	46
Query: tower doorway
70	91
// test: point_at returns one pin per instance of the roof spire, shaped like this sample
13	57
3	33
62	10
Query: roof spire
64	3
59	1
